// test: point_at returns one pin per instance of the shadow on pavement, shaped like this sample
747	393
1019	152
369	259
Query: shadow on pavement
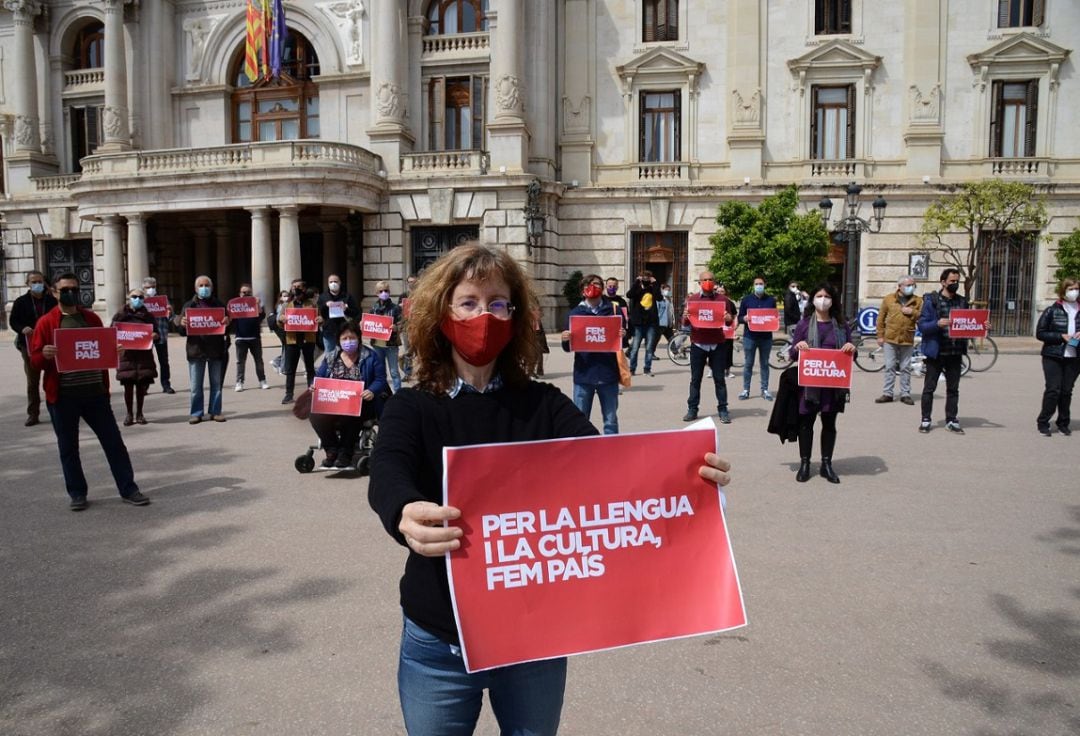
969	422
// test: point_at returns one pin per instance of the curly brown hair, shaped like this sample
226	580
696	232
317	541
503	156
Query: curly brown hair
430	303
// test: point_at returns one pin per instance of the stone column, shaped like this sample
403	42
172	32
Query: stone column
389	136
924	72
223	282
27	124
137	257
262	257
331	247
114	116
508	137
114	264
745	101
202	254
578	75
289	266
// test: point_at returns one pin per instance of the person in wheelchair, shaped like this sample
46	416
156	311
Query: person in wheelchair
349	361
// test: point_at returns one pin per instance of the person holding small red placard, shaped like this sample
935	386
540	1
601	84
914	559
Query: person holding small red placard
206	354
298	343
756	343
822	326
79	396
248	332
595	374
135	370
161	342
706	346
384	306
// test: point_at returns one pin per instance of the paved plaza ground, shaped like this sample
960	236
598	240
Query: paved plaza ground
934	591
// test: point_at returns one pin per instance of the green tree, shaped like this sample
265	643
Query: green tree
571	289
991	206
771	240
1068	256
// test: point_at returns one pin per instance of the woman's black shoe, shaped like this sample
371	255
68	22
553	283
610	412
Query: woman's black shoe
827	472
804	470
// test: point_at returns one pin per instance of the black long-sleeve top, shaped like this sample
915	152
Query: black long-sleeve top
406	466
26	311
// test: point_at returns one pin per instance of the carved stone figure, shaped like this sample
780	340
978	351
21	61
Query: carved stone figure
388	101
197	30
508	93
925	109
26	131
747	113
576	120
114	122
352	13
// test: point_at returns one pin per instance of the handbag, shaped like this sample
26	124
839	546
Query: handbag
302	406
624	369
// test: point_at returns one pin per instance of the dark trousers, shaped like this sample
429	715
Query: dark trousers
243	347
33	385
1060	375
950	365
698	359
828	434
340	434
292	359
162	349
98	415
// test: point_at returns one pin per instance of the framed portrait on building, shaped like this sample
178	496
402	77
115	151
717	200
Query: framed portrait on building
919	265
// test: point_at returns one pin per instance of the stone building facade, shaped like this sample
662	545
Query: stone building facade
134	144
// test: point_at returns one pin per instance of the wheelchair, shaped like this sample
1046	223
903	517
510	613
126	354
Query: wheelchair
361	456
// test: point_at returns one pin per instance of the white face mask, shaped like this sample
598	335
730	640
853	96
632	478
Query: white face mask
794	289
909	290
150	291
823	303
335	286
1071	295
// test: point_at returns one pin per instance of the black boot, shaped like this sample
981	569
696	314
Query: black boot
827	472
804	470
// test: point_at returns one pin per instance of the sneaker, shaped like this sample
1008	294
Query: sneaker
690	416
239	386
136	499
194	420
1064	430
884	399
744	396
729	374
954	427
725	418
168	390
766	395
924	426
264	385
287	399
1044	430
329	460
907	400
218	418
78	504
649	374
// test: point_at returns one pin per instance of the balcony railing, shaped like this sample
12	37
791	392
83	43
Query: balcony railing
54	184
444	162
84	78
673	171
831	169
455	46
1019	166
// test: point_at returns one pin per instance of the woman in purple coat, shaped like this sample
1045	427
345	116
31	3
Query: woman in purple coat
135	370
822	326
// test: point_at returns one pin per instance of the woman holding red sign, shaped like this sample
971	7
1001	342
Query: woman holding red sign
135	369
471	337
822	326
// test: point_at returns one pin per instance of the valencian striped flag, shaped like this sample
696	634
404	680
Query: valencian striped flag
256	39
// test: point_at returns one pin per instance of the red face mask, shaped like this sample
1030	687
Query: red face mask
706	285
592	291
478	340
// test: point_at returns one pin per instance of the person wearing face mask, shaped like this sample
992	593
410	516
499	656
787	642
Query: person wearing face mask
135	369
664	317
80	396
343	306
706	346
25	313
349	361
943	353
792	310
823	326
595	374
1059	331
471	334
206	354
611	293
756	343
297	343
644	319
248	333
161	341
388	349
897	319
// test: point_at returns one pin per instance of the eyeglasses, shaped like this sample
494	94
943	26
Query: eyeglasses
499	308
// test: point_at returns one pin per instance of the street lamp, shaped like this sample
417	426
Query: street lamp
852	225
534	216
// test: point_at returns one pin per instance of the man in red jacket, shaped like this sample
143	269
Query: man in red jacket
77	395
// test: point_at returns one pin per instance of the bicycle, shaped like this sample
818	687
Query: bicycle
982	353
679	350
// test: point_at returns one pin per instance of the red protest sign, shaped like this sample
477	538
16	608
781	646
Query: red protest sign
762	320
335	396
968	322
376	326
157	306
729	331
406	308
590	334
301	319
85	348
242	307
825	368
550	566
205	321
134	335
706	314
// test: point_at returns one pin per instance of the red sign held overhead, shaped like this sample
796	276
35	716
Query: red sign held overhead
335	396
968	322
707	315
550	566
595	334
134	335
205	321
157	306
376	326
762	320
825	368
301	319
243	307
85	349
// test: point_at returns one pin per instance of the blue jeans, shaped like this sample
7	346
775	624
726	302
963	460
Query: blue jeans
754	346
608	393
197	369
389	355
715	359
648	332
98	415
439	698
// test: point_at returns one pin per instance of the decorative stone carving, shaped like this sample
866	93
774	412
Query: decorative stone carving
197	30
576	119
925	108
114	122
348	18
389	102
508	94
746	113
23	9
26	131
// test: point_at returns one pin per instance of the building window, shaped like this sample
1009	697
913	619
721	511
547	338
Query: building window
832	128
832	16
1018	13
90	47
660	125
282	108
660	20
456	121
457	16
1014	119
85	133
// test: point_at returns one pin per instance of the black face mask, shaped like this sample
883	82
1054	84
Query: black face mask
298	293
952	288
69	297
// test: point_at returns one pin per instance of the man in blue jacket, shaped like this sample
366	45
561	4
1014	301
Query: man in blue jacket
756	342
595	374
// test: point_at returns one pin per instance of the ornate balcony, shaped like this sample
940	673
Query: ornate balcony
436	163
675	172
54	185
1020	167
839	169
456	47
84	80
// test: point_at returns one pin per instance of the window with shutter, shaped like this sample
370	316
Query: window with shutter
832	129
850	122
659	20
1013	121
1032	116
997	112
1020	13
1038	12
832	16
660	126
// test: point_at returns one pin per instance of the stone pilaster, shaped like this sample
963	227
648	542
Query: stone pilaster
262	257
576	142
508	136
924	64
745	103
27	123
288	246
389	135
113	258
114	116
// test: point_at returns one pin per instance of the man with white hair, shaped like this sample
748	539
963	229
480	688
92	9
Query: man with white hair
205	354
161	344
896	323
